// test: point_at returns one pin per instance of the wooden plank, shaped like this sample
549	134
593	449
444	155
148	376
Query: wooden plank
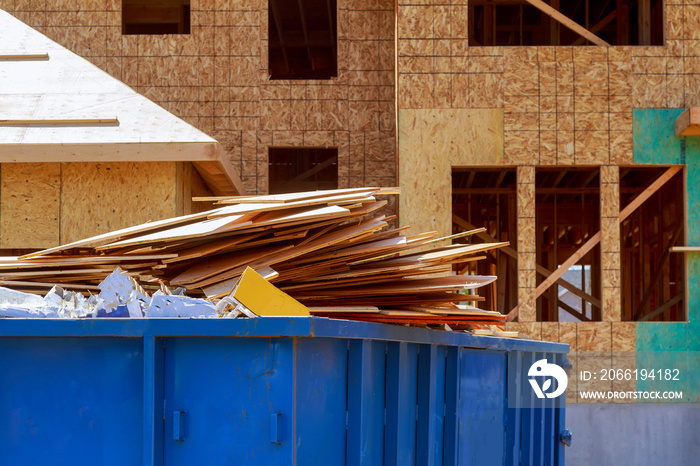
117	235
688	122
225	262
451	283
598	26
220	176
595	239
273	206
296	197
24	56
582	251
194	230
685	249
15	284
183	196
218	284
568	22
61	122
540	269
658	272
663	308
649	191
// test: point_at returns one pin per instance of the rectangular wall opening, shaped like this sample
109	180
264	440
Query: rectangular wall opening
487	198
155	17
567	203
653	276
517	22
303	39
302	169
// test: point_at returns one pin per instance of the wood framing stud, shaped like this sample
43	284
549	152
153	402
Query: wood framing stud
25	56
568	22
595	239
688	122
61	122
685	249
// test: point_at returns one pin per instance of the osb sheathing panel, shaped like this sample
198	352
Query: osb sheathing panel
431	142
581	97
217	79
101	197
29	205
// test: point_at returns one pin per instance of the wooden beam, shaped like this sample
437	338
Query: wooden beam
598	26
583	250
313	170
25	56
568	22
595	239
663	308
62	122
657	273
650	191
280	32
688	122
685	249
567	308
623	22
644	21
540	269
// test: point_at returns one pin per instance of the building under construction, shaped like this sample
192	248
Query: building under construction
565	128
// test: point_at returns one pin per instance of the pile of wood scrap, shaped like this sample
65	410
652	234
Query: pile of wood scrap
328	249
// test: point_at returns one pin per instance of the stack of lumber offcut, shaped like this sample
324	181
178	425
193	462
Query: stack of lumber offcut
328	249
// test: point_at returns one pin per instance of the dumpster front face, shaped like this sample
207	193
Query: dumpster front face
274	391
70	401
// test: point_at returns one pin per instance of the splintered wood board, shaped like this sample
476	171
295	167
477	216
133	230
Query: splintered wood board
296	197
194	230
343	309
225	262
117	235
332	238
418	285
245	208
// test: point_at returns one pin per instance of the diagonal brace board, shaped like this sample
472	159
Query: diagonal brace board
540	269
568	22
595	239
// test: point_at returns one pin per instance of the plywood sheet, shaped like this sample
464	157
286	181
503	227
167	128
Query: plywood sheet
431	142
101	197
29	205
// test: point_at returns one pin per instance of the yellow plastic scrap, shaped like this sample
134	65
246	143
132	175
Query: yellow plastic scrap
265	299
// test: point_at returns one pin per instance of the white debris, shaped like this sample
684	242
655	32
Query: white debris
67	304
163	305
120	296
119	289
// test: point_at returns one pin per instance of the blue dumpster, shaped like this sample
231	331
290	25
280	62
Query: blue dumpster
287	391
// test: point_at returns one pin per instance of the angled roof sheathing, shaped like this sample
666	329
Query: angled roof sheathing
65	89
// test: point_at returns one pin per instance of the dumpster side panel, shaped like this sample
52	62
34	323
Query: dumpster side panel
67	401
229	400
482	407
401	399
366	398
321	397
533	425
